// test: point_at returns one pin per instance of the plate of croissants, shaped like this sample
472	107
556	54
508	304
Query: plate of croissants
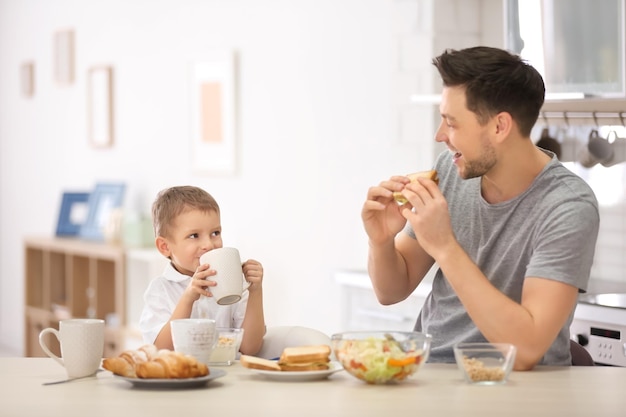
149	367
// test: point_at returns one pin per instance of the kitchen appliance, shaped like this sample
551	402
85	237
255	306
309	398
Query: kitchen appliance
599	325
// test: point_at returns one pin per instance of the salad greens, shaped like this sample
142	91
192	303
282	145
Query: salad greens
378	361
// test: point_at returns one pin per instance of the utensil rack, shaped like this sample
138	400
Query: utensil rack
589	112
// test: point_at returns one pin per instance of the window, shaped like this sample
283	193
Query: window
578	46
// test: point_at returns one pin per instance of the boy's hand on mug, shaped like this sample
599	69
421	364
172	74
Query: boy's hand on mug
253	273
199	284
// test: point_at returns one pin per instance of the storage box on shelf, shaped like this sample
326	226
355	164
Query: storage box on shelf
66	278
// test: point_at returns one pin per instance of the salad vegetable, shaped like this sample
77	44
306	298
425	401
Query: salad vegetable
378	361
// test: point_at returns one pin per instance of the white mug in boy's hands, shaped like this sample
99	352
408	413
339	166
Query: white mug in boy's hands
82	344
195	337
229	277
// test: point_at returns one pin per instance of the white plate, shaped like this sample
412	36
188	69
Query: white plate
174	383
295	376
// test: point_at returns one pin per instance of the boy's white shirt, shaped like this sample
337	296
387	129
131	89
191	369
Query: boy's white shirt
163	294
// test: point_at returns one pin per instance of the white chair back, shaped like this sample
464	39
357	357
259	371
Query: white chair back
279	337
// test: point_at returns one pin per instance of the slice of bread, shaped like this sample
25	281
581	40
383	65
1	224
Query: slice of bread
430	174
253	362
305	354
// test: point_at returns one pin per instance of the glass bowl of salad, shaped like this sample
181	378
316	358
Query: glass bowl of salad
381	357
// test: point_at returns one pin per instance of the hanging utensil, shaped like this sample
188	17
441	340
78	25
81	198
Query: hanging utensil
549	143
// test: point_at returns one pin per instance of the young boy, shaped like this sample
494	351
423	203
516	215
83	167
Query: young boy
187	224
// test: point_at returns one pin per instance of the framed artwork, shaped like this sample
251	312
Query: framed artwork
73	213
105	198
27	78
213	135
100	106
64	57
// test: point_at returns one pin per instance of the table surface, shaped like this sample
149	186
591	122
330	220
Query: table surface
435	390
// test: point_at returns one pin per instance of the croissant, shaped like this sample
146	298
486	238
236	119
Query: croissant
125	363
171	365
149	362
120	366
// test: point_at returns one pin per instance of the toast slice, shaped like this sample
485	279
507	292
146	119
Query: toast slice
305	354
254	362
431	175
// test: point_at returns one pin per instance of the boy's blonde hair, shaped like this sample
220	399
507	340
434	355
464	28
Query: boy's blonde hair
173	201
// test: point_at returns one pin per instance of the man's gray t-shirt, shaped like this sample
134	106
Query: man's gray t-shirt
549	231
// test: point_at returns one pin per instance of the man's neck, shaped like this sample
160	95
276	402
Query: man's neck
513	174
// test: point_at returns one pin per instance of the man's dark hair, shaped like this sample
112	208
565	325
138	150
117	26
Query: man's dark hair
495	81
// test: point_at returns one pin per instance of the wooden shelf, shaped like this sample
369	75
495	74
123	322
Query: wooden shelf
67	278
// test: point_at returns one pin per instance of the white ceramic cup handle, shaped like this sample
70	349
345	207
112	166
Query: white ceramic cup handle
43	345
246	283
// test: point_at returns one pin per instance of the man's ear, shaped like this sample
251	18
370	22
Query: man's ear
162	246
503	125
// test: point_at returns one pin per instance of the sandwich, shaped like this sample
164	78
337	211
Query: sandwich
292	359
430	174
305	358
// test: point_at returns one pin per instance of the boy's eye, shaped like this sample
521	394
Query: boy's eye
193	235
216	233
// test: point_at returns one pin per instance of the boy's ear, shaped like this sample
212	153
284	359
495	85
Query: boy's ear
162	246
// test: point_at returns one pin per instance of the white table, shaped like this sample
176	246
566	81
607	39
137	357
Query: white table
437	390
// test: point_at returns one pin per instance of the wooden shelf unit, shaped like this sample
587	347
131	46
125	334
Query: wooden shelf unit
67	277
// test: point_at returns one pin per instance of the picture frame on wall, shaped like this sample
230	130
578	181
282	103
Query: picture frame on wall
64	56
27	78
213	114
73	213
100	106
103	201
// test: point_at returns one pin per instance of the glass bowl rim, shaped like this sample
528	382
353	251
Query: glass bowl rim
484	347
381	333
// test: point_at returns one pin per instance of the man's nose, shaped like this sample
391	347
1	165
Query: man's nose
440	134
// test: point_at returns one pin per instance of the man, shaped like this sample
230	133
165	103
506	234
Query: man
512	231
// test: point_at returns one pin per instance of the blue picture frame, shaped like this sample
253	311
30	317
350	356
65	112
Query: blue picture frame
104	198
70	223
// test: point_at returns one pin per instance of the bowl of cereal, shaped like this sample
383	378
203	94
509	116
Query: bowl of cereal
227	346
485	363
381	357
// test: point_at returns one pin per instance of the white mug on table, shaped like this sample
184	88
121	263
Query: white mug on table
82	345
230	280
195	337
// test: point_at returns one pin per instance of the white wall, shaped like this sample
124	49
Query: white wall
315	121
322	115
